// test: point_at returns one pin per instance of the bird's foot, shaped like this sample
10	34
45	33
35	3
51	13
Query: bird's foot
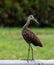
28	60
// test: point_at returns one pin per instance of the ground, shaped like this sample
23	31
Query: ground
13	46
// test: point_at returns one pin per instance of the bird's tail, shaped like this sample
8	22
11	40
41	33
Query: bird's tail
40	45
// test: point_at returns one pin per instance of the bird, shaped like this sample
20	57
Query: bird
30	37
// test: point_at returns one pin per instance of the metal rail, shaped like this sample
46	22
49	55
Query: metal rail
25	62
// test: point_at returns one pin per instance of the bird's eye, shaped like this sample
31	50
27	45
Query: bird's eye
31	16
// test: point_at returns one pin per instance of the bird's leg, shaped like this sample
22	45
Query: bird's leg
28	52
32	52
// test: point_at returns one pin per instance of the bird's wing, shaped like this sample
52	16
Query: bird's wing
33	38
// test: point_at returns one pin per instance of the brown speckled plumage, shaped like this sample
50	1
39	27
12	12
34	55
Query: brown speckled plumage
30	37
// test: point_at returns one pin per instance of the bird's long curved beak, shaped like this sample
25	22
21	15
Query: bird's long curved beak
36	21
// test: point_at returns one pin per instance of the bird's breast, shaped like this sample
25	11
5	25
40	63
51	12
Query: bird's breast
26	37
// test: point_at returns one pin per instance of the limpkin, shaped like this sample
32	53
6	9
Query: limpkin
30	37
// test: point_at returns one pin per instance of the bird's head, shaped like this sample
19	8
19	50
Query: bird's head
31	17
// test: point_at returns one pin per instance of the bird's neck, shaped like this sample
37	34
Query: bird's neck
26	25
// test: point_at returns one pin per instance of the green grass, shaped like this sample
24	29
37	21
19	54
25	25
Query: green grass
13	46
43	30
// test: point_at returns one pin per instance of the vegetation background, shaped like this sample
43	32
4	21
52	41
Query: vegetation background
14	13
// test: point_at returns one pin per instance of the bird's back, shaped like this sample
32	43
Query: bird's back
30	37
